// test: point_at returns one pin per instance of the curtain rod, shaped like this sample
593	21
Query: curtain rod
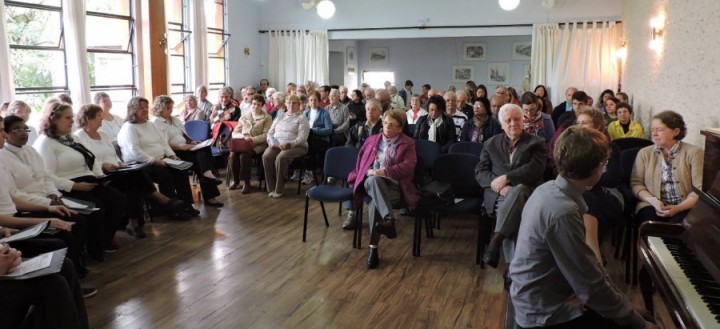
439	27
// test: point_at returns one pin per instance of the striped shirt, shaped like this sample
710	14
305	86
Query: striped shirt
668	186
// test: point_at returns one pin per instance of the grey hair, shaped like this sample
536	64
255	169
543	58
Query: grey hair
505	109
280	96
373	102
334	92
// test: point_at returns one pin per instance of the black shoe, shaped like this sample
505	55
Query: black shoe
491	256
373	259
83	272
507	282
211	180
180	215
191	210
175	205
216	204
387	227
136	231
88	292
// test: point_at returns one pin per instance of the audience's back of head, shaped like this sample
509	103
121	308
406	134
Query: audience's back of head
579	151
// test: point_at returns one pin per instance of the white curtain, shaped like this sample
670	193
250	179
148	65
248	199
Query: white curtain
7	85
298	56
198	44
76	51
582	56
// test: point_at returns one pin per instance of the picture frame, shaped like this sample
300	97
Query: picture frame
473	52
351	57
498	73
521	51
351	70
463	73
379	56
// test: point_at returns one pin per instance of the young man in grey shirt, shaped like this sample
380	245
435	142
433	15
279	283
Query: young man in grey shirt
556	279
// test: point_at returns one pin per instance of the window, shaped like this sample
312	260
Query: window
377	79
178	38
110	50
218	69
37	50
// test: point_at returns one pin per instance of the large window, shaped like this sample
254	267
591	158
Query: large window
110	50
178	39
37	49
376	79
216	19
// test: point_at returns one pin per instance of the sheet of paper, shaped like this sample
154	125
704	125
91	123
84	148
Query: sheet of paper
201	145
173	161
74	205
33	264
27	233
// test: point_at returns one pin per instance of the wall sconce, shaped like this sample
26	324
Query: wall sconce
621	53
657	29
246	51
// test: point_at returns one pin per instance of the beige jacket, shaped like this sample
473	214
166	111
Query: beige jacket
256	126
687	170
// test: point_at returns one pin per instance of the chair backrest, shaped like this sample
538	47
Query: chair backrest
466	147
409	129
632	142
340	161
458	169
627	160
426	152
118	151
198	130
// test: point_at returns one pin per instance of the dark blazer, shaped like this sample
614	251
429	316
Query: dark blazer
359	133
445	136
322	127
492	128
468	110
526	168
557	112
402	171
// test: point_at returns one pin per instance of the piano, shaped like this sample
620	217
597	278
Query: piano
682	261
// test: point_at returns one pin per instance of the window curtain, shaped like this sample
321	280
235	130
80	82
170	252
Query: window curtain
298	56
76	51
582	56
7	84
198	44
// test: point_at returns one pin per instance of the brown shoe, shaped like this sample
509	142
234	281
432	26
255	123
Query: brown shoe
246	189
234	186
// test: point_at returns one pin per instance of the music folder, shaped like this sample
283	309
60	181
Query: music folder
37	266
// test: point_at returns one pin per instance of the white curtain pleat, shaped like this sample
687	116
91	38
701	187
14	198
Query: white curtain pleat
198	43
580	55
76	51
298	56
7	84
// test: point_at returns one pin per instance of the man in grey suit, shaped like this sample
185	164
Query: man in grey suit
511	166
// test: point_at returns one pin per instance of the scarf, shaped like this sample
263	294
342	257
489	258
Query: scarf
533	125
480	123
434	124
390	150
68	141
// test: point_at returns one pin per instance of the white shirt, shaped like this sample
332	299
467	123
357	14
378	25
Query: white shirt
245	108
63	163
411	120
173	128
7	207
103	149
313	116
32	135
112	127
27	170
143	142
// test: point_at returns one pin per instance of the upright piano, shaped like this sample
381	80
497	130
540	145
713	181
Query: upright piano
683	260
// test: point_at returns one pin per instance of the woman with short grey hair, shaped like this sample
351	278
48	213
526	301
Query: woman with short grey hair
191	111
202	102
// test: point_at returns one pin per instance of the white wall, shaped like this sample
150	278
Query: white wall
243	25
686	75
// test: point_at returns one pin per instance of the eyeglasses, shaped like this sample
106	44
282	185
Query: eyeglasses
390	124
20	130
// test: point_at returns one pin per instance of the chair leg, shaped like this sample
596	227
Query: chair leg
634	254
357	232
417	233
478	251
307	201
322	206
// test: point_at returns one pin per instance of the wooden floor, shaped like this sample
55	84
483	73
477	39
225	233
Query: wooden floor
245	266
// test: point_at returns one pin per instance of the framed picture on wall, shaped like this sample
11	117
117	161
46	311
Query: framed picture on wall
351	55
498	73
379	56
521	51
474	51
463	73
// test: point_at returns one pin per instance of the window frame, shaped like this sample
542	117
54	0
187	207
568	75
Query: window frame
216	85
182	27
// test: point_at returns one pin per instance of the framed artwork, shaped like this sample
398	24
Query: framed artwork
521	51
498	73
351	70
474	51
463	73
351	59
379	56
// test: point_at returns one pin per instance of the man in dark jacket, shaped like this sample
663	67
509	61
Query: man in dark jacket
563	107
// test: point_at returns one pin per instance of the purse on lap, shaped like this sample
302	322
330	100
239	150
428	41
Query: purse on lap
240	145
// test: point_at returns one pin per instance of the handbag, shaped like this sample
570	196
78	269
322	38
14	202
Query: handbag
240	145
437	194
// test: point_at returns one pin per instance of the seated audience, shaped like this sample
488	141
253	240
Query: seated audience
319	139
535	122
623	97
463	105
72	168
280	108
514	97
566	106
611	110
340	118
542	94
425	95
664	174
287	139
270	101
248	93
225	110
384	171
344	98
253	128
511	166
482	126
496	102
23	110
406	92
436	126
191	110
625	126
182	145
452	110
356	107
415	111
142	141
397	101
604	96
203	103
111	123
556	281
384	97
481	92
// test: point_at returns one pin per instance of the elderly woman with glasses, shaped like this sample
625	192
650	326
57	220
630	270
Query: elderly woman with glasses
191	110
384	171
482	126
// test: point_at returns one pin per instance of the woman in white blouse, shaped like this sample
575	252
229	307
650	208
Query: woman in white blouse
143	142
182	145
287	139
136	185
111	123
72	168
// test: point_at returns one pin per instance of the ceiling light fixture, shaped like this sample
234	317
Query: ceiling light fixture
325	9
509	4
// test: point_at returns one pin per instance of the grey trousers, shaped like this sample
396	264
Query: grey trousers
509	209
385	193
276	163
